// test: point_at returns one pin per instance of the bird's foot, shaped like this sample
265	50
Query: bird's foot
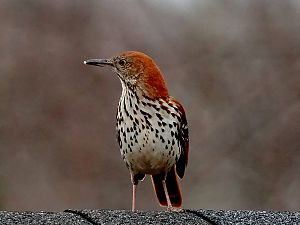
173	209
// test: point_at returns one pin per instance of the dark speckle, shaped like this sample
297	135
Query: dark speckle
159	116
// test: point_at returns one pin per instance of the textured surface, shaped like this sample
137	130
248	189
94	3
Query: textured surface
204	217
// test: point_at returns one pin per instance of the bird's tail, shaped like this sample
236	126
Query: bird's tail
172	187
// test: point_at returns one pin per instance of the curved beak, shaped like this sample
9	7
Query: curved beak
98	62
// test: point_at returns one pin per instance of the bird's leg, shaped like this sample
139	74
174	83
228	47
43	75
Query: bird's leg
169	208
134	187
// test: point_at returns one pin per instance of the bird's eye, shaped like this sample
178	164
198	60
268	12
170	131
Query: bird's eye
122	62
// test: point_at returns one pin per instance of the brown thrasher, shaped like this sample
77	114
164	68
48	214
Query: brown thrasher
152	130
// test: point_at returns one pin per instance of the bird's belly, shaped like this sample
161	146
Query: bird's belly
149	161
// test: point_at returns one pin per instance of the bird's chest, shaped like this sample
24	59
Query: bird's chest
146	136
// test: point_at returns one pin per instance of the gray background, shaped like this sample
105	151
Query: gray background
235	66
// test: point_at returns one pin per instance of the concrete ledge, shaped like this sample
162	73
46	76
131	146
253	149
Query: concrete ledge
186	216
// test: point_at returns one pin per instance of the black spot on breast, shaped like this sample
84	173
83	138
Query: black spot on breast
165	108
145	114
159	116
124	108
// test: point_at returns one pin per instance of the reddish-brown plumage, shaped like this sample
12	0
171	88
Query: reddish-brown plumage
152	80
151	126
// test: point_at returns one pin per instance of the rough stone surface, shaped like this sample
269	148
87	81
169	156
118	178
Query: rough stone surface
205	217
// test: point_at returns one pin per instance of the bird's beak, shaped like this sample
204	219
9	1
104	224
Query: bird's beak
98	62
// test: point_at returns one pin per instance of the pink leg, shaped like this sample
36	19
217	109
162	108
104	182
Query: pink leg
134	186
167	195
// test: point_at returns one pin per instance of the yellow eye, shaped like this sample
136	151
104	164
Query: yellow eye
122	62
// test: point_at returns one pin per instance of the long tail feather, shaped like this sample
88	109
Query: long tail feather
172	187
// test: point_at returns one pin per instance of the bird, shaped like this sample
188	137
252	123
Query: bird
151	127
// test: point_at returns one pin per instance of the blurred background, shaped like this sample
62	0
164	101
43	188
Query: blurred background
235	66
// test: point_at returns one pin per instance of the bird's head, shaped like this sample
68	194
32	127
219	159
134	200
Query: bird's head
137	71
